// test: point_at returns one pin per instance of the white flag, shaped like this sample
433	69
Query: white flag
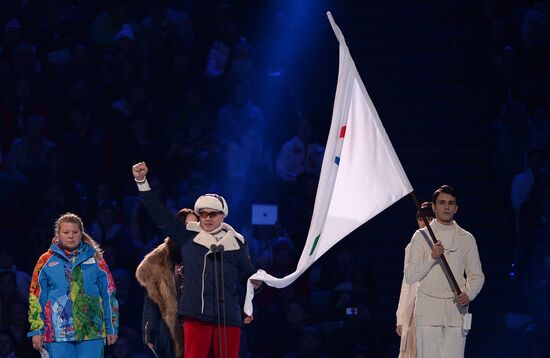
360	177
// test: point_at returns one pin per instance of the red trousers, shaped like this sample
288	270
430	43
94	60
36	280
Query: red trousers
199	336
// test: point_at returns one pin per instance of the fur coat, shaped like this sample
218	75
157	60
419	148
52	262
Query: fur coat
156	273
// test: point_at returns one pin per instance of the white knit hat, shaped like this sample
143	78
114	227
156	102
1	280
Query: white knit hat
211	201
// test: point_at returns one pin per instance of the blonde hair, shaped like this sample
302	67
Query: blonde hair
75	219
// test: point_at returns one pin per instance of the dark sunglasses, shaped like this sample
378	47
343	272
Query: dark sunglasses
212	214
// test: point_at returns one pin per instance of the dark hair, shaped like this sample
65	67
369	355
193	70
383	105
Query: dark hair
444	189
426	209
173	250
182	215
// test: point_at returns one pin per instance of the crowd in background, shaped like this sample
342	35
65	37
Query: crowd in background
89	88
505	49
194	90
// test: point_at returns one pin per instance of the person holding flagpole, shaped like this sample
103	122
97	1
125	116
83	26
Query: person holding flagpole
405	318
441	317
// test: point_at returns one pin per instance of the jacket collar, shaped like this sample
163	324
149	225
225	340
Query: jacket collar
230	239
85	251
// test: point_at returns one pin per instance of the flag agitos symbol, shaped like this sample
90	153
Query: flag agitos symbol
341	136
343	132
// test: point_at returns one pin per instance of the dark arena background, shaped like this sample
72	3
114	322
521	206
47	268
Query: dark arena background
235	97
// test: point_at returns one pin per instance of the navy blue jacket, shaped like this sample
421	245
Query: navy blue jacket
198	299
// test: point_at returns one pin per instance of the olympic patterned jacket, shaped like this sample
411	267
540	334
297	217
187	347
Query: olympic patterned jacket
72	299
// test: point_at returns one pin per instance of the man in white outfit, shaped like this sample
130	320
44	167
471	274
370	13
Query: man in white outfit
405	318
439	313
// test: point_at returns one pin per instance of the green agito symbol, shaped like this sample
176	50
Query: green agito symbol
314	244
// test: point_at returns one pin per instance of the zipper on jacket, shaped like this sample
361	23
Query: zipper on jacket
202	288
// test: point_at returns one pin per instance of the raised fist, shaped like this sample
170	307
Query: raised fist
139	171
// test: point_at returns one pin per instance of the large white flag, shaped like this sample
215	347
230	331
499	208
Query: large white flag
360	177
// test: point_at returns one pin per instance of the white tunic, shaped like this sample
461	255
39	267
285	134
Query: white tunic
435	302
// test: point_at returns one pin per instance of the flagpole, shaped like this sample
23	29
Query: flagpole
446	267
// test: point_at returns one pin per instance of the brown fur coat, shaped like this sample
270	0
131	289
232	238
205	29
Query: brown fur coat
156	274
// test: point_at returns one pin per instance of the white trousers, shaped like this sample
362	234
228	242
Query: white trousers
440	342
